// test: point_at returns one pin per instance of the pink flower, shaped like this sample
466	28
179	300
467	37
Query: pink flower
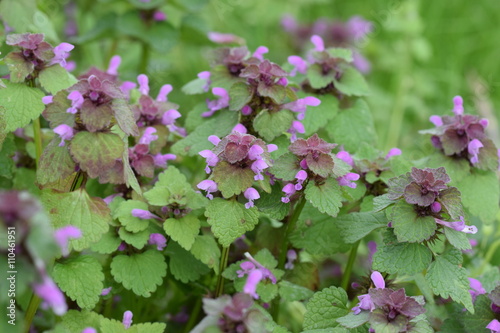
169	117
159	16
208	185
89	330
254	152
159	240
365	302
393	152
47	99
318	43
211	159
220	103
436	120
494	326
258	166
435	207
221	38
127	319
143	84
114	63
161	160
251	194
144	214
76	99
291	256
256	272
164	91
246	110
246	268
346	157
148	136
301	176
473	149
126	87
347	180
297	127
65	132
61	52
299	64
240	129
458	225
458	107
106	291
300	105
64	234
259	52
289	190
271	147
51	296
205	76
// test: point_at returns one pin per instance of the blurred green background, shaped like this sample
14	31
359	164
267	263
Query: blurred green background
423	52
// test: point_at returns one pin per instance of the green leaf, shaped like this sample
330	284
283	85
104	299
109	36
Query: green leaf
55	112
232	179
327	197
240	95
7	151
457	238
55	78
81	278
317	79
450	199
55	163
124	214
136	239
183	265
183	230
352	83
194	87
220	125
447	278
285	167
19	67
291	292
3	123
325	307
276	92
96	152
352	320
124	117
21	103
77	321
353	127
171	187
270	203
482	315
90	215
140	272
108	243
402	258
115	326
381	202
355	226
269	125
206	250
456	168
316	117
230	219
481	194
337	52
408	226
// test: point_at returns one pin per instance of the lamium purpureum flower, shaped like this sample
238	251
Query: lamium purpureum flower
127	319
476	288
63	236
106	291
291	256
222	38
144	214
159	240
209	186
365	302
65	132
89	330
463	136
255	272
220	103
494	326
52	297
61	52
251	194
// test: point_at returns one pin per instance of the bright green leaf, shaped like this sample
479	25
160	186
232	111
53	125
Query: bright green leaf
355	226
402	258
269	125
409	226
326	197
325	307
55	78
183	265
183	230
21	104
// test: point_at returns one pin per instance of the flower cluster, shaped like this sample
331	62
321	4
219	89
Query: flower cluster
388	307
34	56
238	157
256	272
334	33
463	136
428	191
494	296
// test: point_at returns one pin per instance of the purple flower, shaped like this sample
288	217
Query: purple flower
435	207
61	52
110	198
164	91
436	120
272	147
301	176
259	52
76	99
148	136
220	103
473	149
300	105
251	194
254	152
365	302
221	38
297	127
114	63
458	225
89	330
64	234
161	159
372	248
393	152
358	27
494	326
144	214
143	84
318	43
254	277
289	190
214	140
159	16
65	132
126	87
299	64
206	77
208	185
255	274
106	291
346	157
291	256
159	240
458	108
476	288
127	319
246	268
347	180
47	99
51	296
240	129
211	159
258	166
246	110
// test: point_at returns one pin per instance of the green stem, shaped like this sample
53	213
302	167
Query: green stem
487	258
37	131
219	290
143	66
193	316
290	226
348	269
31	311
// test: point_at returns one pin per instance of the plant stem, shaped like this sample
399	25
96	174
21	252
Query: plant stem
348	269
193	316
219	290
143	66
489	255
31	311
38	139
290	226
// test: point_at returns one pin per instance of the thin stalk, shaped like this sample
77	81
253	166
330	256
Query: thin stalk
348	269
31	311
489	255
193	316
290	226
37	131
219	290
143	66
